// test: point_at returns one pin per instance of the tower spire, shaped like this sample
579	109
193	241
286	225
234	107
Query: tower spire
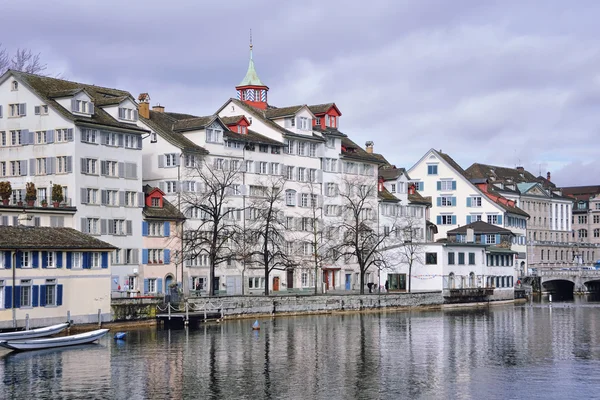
250	43
251	90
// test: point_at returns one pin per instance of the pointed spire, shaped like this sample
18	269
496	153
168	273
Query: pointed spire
251	78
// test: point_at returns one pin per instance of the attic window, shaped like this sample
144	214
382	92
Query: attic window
155	201
153	137
242	129
15	85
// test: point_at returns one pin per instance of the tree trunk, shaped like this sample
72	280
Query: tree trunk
362	280
211	291
409	276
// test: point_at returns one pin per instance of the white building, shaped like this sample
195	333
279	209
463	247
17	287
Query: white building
457	200
85	139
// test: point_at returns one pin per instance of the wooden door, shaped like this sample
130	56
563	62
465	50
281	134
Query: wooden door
290	278
276	284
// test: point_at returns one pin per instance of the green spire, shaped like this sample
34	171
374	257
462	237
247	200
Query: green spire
251	78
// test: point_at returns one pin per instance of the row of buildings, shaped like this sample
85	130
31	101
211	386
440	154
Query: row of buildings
146	182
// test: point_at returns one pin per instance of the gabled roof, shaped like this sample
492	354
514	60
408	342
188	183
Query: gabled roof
162	124
234	120
167	212
107	101
504	205
495	172
179	116
354	151
389	174
581	192
385	195
251	137
47	238
416	198
323	108
274	112
480	227
328	131
49	88
193	124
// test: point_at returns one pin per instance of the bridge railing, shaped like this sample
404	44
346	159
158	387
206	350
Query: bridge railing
569	272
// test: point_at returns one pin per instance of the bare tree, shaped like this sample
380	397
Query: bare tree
217	233
411	249
359	234
319	240
23	60
266	228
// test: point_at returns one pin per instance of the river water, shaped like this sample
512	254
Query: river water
501	352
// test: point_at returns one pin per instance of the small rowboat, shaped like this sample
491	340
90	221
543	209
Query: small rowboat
34	333
49	343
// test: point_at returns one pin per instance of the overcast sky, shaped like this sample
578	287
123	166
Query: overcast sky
499	82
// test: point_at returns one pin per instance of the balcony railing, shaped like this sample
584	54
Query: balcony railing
39	202
468	292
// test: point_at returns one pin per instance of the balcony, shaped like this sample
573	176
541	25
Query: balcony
38	203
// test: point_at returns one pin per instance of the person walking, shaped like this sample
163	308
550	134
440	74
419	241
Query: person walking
387	286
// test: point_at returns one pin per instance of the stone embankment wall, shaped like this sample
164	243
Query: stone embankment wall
240	306
136	308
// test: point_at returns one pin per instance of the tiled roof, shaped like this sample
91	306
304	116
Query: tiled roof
416	198
381	158
506	207
252	137
232	120
161	123
581	192
321	108
494	172
453	164
328	131
42	238
391	173
192	124
49	88
480	227
275	112
167	212
178	116
110	100
385	195
352	150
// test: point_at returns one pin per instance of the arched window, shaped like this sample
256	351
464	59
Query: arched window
472	279
597	232
451	280
582	233
290	197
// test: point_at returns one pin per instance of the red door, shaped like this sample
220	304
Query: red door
275	283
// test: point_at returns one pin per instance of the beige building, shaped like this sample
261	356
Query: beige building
49	275
586	222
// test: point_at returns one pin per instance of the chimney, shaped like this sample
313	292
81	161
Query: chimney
520	169
470	235
25	219
411	189
548	176
369	146
158	108
144	105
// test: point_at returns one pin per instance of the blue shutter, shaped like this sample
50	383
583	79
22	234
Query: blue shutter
439	201
497	238
7	259
144	228
167	254
69	260
144	256
499	219
468	202
167	229
35	295
42	295
468	219
17	296
159	285
44	258
439	185
453	185
454	201
18	261
146	286
104	259
85	262
454	220
439	219
8	297
59	259
483	239
59	294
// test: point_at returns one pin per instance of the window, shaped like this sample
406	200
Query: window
445	219
63	135
461	258
312	150
110	168
214	135
40	166
447	185
307	279
15	138
288	146
61	165
393	188
596	219
290	197
492	219
490	239
17	110
93	226
304	123
152	285
95	260
258	191
301	149
330	142
432	170
89	166
171	187
474	201
306	224
25	293
89	135
274	168
300	175
131	199
451	259
155	256
304	200
91	196
262	167
49	293
312	175
431	258
128	114
14	85
420	185
582	233
582	219
155	202
263	148
76	260
40	110
50	263
40	137
447	201
331	189
256	283
171	160
471	258
26	259
596	232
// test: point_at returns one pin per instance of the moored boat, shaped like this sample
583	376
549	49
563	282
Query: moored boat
34	333
48	343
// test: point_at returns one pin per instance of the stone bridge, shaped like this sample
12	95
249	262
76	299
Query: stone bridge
580	279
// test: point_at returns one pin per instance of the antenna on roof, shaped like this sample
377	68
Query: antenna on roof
250	43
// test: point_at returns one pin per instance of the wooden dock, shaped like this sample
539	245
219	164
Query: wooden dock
175	316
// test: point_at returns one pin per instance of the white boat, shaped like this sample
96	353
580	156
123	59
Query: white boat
34	333
49	343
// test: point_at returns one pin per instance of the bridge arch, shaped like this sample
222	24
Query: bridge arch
563	288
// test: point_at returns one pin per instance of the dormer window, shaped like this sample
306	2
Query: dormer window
242	129
155	202
317	121
128	114
82	106
303	123
15	85
214	135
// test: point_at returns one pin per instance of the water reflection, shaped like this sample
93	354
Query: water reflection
496	352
